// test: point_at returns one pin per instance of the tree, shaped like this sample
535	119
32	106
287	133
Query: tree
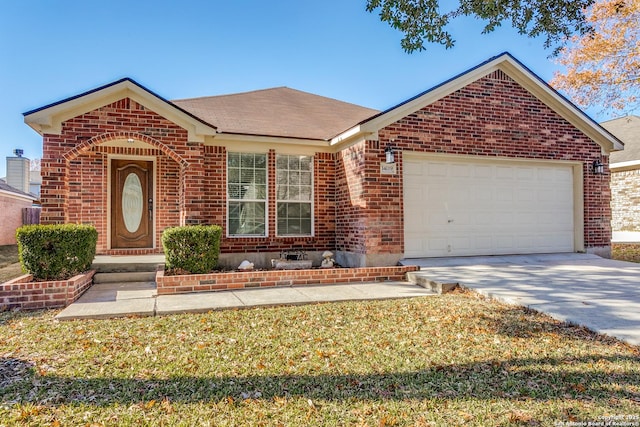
603	67
422	20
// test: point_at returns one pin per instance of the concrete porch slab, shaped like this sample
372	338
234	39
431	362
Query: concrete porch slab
108	309
107	300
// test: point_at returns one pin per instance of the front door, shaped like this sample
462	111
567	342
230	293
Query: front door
131	204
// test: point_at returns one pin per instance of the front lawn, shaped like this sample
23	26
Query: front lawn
433	361
9	266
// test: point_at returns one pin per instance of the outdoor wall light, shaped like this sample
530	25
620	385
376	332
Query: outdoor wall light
390	156
598	167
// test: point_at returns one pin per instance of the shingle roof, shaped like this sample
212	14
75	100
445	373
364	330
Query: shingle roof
6	187
627	130
280	111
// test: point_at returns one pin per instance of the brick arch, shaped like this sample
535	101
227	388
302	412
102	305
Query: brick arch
110	136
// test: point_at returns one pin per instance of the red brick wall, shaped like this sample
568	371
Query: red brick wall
492	117
357	209
351	199
75	166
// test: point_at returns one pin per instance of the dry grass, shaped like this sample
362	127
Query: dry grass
9	265
434	361
10	272
626	251
8	255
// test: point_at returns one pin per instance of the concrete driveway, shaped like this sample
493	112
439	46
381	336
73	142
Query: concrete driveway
599	293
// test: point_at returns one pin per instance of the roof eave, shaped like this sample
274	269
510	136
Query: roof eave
514	69
626	165
49	119
18	195
237	136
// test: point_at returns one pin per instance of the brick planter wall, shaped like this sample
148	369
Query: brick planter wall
23	294
256	279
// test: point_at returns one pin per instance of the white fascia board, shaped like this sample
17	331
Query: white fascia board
233	138
13	195
49	120
631	164
355	133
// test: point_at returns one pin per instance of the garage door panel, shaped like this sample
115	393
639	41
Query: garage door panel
504	173
455	208
526	174
436	170
504	194
413	168
482	171
459	171
484	242
481	192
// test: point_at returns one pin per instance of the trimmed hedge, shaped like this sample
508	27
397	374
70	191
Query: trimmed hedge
192	248
56	252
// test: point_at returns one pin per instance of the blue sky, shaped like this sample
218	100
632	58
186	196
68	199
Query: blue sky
51	50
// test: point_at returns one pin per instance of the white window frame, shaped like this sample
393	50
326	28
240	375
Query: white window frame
232	200
311	202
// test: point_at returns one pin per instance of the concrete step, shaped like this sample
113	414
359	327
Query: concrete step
125	277
127	263
422	279
124	267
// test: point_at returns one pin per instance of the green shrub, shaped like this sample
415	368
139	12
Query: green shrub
193	248
56	252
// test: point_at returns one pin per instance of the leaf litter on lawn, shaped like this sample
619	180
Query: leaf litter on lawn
449	360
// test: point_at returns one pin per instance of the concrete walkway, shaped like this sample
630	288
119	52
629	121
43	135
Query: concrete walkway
115	300
599	293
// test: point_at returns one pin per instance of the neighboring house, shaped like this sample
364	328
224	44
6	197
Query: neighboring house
35	181
12	204
23	174
625	179
490	162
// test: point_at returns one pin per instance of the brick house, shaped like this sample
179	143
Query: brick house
492	161
625	180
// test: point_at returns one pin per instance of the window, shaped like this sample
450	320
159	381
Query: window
294	195
247	194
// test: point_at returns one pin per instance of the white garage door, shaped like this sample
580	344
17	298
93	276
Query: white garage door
458	208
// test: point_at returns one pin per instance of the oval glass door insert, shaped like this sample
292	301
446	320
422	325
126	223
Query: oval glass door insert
132	202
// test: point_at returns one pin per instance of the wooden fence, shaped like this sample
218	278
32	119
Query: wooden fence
30	216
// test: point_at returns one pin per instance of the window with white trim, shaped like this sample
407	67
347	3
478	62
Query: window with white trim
246	194
294	195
